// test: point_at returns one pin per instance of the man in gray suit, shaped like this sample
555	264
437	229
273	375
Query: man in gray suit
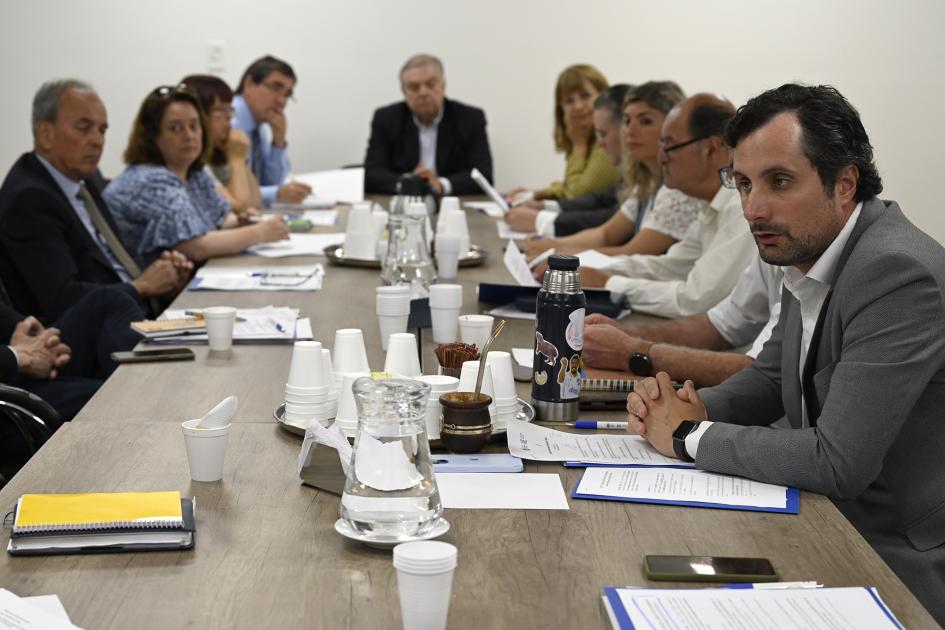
857	360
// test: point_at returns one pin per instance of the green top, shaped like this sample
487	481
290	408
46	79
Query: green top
583	175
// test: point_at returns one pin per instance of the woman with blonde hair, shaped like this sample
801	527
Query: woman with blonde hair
588	167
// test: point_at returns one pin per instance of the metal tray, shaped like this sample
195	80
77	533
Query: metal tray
336	256
526	413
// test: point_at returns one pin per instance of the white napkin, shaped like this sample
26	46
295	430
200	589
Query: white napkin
221	415
331	436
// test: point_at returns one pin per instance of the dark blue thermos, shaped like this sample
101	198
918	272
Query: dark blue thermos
559	338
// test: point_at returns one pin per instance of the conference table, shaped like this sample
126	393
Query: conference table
267	554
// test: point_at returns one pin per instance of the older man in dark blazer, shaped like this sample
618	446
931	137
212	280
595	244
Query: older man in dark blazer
428	134
58	241
857	360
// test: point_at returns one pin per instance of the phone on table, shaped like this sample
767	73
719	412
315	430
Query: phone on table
487	462
146	356
708	569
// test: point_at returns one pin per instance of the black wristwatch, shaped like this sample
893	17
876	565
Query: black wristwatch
640	364
679	438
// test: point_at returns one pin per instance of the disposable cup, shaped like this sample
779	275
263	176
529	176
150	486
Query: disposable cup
447	255
206	449
449	203
392	305
445	324
438	385
305	368
292	399
360	243
390	325
220	321
349	353
359	218
446	296
475	329
347	414
395	289
502	377
467	383
329	371
424	584
402	357
307	391
454	222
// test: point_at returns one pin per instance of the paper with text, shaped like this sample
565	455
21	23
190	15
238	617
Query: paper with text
345	185
20	614
517	265
678	484
847	608
531	441
502	491
287	278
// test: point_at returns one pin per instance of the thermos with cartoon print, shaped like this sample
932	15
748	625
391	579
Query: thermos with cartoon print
559	338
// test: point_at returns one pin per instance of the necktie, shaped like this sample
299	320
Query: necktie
111	239
257	165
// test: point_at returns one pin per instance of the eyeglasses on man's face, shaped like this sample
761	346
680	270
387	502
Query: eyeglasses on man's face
727	177
280	89
669	149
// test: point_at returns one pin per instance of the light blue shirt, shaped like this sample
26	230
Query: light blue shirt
275	160
428	136
70	189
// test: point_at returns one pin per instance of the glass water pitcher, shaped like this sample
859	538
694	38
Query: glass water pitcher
408	258
390	491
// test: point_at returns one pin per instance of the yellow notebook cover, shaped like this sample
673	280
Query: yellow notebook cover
56	512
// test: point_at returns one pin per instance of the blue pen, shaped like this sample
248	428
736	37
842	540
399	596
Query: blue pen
280	328
594	424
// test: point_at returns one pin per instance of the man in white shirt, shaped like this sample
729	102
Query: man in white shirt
701	269
857	360
693	347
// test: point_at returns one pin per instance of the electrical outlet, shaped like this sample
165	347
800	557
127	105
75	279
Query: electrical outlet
215	55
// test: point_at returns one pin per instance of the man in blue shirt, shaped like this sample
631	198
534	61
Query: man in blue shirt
259	110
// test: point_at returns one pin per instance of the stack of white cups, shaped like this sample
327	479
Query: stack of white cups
350	355
360	233
308	391
393	311
330	379
347	415
419	209
445	302
506	397
424	582
467	383
475	329
439	385
453	222
402	356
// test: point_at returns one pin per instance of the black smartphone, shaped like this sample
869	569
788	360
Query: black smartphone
708	569
162	354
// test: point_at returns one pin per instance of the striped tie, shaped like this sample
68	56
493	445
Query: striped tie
111	239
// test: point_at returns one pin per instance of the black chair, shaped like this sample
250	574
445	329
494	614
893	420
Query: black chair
26	422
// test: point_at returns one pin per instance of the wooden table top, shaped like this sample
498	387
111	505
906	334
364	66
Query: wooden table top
266	551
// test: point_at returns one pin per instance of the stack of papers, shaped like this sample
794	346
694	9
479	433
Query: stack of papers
298	245
42	612
722	608
288	278
505	231
491	208
253	325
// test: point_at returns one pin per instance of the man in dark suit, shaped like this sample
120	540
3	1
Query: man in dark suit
857	359
428	134
58	241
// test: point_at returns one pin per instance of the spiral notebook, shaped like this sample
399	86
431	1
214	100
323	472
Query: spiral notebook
97	522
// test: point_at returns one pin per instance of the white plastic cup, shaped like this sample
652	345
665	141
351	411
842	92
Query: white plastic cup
349	353
475	329
439	385
329	371
306	369
467	383
206	449
502	377
360	244
449	203
453	222
446	300
448	250
390	325
379	219
402	357
220	321
424	583
393	311
347	414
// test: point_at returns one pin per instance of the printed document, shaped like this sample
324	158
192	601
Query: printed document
679	484
288	278
518	267
298	245
531	441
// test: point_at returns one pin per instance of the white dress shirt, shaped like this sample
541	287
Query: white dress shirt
695	273
428	137
810	290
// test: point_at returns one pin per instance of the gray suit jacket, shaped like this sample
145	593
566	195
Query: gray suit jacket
874	385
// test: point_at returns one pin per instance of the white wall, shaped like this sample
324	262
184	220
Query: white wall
887	58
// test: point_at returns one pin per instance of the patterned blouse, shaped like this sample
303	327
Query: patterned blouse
155	210
582	175
668	211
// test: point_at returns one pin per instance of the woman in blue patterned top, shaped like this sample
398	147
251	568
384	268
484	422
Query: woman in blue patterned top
165	199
